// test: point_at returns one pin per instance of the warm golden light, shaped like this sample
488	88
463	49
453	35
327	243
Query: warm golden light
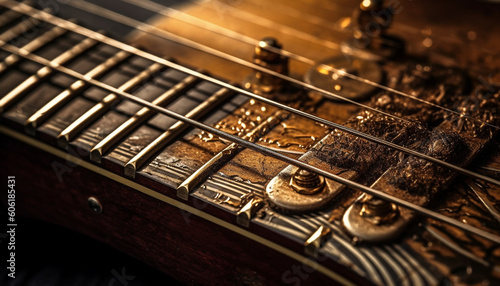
366	3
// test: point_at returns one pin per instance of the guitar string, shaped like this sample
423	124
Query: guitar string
261	149
405	28
249	17
270	24
297	14
184	17
155	31
130	1
25	9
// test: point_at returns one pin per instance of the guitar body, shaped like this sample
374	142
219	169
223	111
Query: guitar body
201	240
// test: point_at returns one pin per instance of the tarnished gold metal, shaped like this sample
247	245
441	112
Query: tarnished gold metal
317	240
266	84
204	171
247	212
175	130
372	220
226	154
139	117
378	211
282	195
369	40
307	183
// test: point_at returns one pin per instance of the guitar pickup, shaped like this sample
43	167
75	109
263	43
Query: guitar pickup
414	180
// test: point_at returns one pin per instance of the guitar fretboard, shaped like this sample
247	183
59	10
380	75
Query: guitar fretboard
72	112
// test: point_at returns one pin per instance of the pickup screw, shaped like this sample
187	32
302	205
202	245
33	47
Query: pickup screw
307	183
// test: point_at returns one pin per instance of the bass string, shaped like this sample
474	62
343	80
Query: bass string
261	149
25	9
184	17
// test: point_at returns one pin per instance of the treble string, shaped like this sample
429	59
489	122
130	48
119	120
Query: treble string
155	31
25	9
184	17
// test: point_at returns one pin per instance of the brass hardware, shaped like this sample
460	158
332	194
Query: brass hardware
268	85
95	205
378	211
271	60
282	195
374	220
166	137
371	20
247	212
55	104
317	240
307	183
44	72
99	109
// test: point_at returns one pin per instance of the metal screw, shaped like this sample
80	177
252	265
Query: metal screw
272	60
307	183
94	205
379	211
262	52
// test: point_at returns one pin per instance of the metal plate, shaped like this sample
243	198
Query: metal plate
282	196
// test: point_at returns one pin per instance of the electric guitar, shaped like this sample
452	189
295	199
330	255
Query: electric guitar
261	143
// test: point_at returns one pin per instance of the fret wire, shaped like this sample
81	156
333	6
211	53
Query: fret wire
222	157
9	16
53	105
120	45
256	147
173	132
32	46
44	72
142	115
178	15
17	30
100	108
155	31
